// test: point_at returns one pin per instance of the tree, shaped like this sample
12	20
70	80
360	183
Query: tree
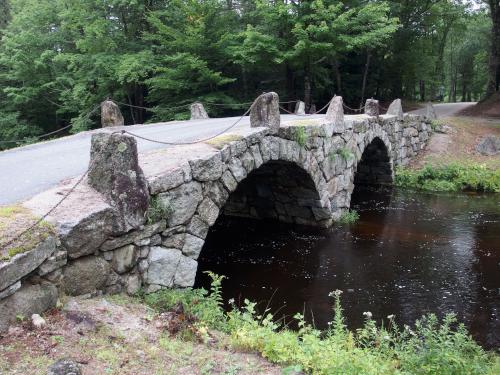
494	60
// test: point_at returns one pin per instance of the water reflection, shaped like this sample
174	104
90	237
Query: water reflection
410	254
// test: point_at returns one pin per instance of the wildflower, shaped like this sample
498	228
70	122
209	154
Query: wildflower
386	338
407	328
335	293
231	301
368	314
390	317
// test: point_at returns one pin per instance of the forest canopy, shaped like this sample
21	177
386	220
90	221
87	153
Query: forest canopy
60	58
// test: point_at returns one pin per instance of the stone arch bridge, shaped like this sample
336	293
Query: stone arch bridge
141	222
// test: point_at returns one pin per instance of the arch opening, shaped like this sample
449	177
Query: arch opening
278	190
275	201
375	165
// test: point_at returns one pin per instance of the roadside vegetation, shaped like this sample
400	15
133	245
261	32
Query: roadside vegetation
451	162
450	177
188	331
432	346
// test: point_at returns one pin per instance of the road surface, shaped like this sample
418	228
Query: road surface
445	109
26	171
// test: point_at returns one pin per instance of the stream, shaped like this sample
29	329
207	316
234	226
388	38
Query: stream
410	253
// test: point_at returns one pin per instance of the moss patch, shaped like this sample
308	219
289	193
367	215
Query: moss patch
303	122
13	221
222	140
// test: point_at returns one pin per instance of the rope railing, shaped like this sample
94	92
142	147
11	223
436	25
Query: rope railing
82	177
54	207
154	109
306	114
353	109
38	137
170	143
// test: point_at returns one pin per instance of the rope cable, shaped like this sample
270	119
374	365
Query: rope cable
50	133
51	210
172	143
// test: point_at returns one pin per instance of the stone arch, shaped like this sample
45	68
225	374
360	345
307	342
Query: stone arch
373	161
279	190
287	175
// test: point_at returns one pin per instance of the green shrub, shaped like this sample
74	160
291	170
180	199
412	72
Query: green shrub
430	347
344	153
300	136
207	307
451	177
158	209
349	217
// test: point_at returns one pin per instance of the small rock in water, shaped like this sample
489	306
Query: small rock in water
350	290
64	366
37	321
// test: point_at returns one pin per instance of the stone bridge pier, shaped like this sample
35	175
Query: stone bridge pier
140	221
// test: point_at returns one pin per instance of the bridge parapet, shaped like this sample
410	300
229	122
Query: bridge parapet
303	172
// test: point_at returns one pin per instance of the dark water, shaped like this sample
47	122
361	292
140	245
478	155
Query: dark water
409	254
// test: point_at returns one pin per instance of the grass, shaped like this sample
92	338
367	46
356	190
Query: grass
13	221
432	346
300	136
349	217
344	153
452	177
222	140
158	210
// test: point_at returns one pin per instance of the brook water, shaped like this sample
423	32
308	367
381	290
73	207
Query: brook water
409	254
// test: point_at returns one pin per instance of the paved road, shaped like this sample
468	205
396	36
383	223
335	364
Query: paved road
26	171
446	109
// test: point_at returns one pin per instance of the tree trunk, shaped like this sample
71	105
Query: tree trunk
365	77
494	61
307	87
132	109
464	89
422	90
245	81
290	87
338	77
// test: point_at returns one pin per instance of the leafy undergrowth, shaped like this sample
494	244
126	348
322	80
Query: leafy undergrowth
14	220
349	217
450	177
431	347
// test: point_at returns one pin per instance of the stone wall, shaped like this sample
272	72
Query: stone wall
304	174
281	191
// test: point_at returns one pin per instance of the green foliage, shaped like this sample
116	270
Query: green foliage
300	136
349	217
198	302
436	125
431	347
451	177
158	209
60	58
344	153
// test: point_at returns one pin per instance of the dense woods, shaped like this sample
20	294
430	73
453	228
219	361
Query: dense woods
60	58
